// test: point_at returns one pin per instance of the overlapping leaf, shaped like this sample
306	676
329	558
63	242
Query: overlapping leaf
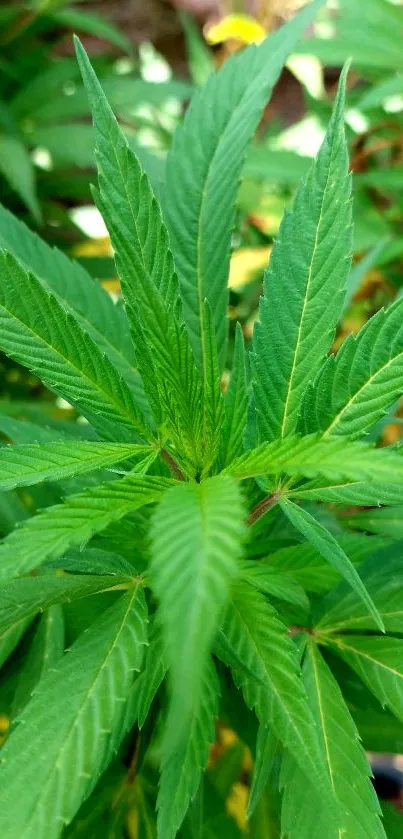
30	463
213	403
388	601
147	684
236	404
359	493
182	769
261	641
62	741
326	544
379	663
305	564
272	582
10	637
39	333
266	747
385	521
45	650
304	286
382	575
25	431
355	387
94	561
17	168
312	457
79	293
197	533
203	170
27	597
147	275
52	532
358	812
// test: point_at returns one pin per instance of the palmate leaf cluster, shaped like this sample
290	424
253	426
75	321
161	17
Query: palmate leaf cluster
178	563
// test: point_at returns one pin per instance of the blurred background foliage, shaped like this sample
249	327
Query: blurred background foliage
151	56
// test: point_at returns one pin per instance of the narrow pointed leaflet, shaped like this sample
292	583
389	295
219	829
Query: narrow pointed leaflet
304	285
235	404
80	706
354	388
314	457
379	663
181	770
79	293
66	359
49	534
30	463
197	533
278	698
36	594
203	171
327	545
304	815
147	275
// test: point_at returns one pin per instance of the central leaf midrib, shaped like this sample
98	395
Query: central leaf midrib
304	306
358	393
81	375
83	705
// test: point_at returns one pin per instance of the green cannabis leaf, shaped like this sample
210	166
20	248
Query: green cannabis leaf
89	686
304	286
197	533
356	387
30	463
329	548
203	171
52	532
84	298
347	764
58	350
182	572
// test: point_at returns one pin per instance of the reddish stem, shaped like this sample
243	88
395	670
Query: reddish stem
262	508
172	465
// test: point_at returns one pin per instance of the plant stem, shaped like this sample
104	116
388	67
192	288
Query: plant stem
262	508
172	465
133	764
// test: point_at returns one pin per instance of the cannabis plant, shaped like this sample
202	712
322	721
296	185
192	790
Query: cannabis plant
182	561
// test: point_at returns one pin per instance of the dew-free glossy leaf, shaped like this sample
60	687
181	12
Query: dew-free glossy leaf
260	639
147	274
147	684
235	404
382	575
270	581
312	457
45	650
79	293
28	596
